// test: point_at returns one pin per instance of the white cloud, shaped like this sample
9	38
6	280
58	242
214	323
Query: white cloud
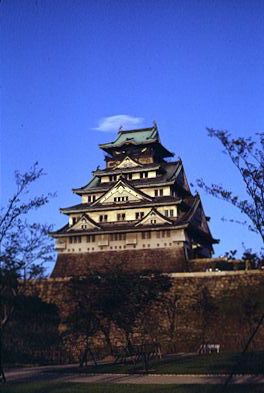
113	123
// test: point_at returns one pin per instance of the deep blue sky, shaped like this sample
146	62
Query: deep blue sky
186	64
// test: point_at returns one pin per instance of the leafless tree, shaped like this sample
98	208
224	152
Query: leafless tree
247	155
24	245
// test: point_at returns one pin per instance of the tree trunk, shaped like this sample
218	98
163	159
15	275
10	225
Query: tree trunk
84	358
2	374
106	333
128	342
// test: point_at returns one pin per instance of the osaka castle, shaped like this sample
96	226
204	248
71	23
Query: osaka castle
137	211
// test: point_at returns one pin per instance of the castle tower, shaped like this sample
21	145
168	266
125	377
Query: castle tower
138	210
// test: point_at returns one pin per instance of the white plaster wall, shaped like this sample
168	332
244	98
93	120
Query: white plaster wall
105	179
130	213
133	241
151	191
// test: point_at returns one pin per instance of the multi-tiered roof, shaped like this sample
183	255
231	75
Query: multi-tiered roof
139	182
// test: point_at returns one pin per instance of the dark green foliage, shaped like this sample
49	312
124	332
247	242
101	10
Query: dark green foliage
207	308
247	305
32	330
113	296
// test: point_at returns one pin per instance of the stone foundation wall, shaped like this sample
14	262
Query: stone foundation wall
164	259
192	326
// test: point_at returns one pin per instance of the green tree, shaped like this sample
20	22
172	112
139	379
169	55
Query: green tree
128	295
113	296
32	331
207	309
80	316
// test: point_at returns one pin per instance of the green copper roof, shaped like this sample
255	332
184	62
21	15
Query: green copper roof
140	136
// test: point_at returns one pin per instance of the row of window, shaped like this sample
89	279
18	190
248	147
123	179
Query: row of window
75	239
169	213
129	176
121	199
157	192
122	217
119	236
91	198
120	247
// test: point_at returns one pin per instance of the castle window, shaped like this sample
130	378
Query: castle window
158	234
121	216
146	235
153	221
74	219
169	213
139	215
143	175
103	217
84	226
121	199
158	192
70	239
112	177
166	233
117	236
90	238
91	198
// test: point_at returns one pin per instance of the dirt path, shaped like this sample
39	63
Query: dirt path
64	374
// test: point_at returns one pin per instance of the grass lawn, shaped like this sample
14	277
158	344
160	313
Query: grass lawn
46	387
222	363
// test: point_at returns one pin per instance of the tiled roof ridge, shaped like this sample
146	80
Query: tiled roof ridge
163	165
137	130
126	183
156	200
108	227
